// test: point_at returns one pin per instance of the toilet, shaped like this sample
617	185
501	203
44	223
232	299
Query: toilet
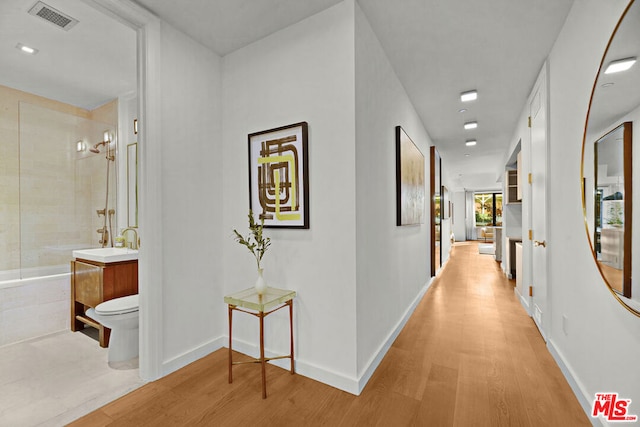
121	316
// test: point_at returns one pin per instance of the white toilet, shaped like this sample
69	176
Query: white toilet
121	316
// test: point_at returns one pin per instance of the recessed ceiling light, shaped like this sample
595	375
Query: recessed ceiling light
467	155
620	65
26	49
608	84
462	110
471	143
470	95
471	125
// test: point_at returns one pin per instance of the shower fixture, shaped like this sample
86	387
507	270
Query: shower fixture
106	141
106	234
95	149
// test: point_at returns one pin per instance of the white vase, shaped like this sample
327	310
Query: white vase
261	285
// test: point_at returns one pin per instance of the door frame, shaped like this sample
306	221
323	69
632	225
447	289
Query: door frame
148	32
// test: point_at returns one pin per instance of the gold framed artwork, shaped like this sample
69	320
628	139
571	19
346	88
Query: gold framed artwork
279	176
410	181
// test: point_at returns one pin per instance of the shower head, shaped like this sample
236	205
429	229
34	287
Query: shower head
95	149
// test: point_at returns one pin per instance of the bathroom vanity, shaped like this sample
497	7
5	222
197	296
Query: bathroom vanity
99	275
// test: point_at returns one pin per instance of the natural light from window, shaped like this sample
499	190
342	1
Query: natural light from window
488	209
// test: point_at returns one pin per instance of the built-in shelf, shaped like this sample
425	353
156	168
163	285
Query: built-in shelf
512	187
519	177
513	180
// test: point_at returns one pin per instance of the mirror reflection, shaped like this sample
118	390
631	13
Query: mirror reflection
610	199
607	159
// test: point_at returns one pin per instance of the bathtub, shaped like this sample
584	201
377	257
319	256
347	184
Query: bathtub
36	304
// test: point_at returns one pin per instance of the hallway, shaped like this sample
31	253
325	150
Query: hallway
469	355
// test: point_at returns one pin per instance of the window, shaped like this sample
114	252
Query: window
488	209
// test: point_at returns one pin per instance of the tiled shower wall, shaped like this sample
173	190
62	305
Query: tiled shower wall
49	192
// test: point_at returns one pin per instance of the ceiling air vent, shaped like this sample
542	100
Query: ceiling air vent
53	16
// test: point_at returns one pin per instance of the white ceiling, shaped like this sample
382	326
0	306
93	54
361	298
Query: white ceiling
227	25
92	63
442	48
437	48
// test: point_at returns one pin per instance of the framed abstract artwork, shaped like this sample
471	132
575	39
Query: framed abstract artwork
410	181
435	190
279	176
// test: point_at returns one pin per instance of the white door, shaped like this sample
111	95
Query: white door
539	138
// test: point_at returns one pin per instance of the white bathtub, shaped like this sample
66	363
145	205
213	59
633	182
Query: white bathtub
34	306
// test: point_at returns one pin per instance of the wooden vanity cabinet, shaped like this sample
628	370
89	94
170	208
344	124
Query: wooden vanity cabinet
95	282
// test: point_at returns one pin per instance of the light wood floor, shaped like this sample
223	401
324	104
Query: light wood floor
469	356
613	276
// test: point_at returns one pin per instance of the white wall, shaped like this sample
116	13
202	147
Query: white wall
306	72
302	73
191	197
602	340
392	262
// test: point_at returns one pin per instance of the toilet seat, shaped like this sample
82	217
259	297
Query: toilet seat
122	305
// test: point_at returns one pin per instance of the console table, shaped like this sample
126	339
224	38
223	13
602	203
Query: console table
248	301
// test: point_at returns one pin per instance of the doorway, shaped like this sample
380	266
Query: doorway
538	110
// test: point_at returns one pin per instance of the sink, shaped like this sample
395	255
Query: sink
106	255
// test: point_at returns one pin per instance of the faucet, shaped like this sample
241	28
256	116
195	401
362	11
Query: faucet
136	243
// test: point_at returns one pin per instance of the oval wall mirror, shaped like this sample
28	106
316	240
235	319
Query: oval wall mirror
607	157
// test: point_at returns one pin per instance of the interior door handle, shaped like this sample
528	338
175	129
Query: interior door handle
539	243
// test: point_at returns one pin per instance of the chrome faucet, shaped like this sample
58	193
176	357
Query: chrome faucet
131	245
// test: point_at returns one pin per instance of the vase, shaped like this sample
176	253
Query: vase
261	285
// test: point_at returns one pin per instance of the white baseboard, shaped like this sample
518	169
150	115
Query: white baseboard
374	362
326	376
340	381
583	397
505	270
523	300
182	360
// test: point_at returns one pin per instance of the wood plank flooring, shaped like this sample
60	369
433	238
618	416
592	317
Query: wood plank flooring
469	356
